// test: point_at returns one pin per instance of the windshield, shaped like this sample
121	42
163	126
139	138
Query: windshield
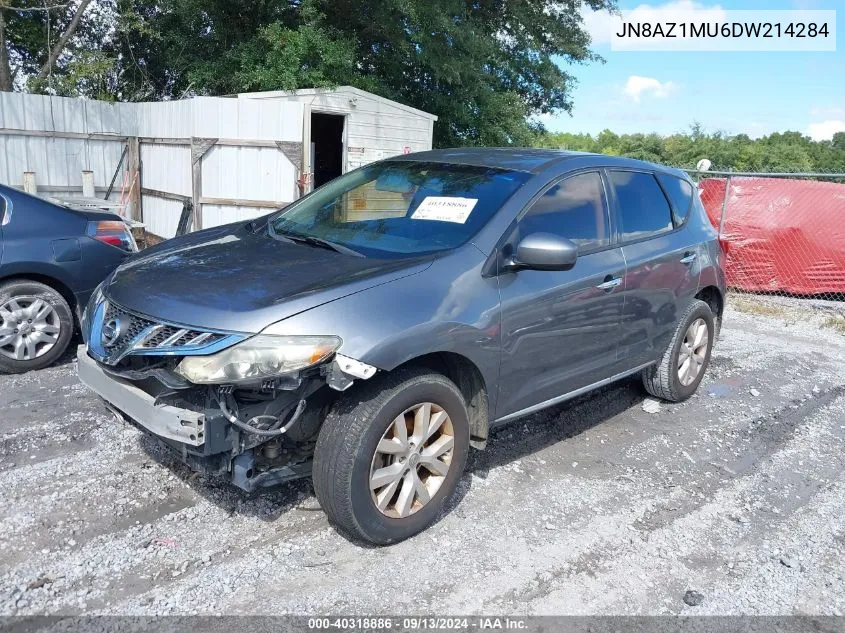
401	208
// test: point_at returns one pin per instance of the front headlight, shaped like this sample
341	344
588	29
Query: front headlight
262	356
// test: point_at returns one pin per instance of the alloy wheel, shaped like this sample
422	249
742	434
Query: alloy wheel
29	328
412	460
693	352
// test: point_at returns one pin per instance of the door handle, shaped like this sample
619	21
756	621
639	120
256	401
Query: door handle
688	258
610	283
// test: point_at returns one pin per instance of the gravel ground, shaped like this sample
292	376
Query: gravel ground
730	503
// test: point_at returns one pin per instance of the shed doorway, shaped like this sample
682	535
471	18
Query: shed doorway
326	146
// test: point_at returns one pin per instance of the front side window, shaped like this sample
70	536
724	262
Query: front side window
643	209
574	208
401	208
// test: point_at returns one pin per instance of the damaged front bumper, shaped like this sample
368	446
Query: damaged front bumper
192	423
169	422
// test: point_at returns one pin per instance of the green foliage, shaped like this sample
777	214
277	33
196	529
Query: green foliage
85	74
284	59
779	152
485	67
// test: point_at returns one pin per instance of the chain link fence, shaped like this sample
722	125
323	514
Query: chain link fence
783	233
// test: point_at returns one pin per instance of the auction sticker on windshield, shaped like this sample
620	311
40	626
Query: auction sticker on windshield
445	209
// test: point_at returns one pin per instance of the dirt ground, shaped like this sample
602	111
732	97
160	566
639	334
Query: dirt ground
594	507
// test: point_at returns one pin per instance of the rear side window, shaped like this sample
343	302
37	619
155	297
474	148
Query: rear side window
680	195
574	208
643	209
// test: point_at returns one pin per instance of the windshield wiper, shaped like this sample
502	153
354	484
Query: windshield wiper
319	242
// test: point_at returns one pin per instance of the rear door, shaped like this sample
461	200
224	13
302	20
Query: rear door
560	329
662	263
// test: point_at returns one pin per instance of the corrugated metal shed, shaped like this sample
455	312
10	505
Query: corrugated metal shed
375	127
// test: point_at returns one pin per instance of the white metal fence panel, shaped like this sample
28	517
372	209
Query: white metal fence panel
171	119
58	162
229	172
247	119
250	173
164	168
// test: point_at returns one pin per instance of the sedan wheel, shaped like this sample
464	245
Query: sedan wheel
36	325
412	460
29	328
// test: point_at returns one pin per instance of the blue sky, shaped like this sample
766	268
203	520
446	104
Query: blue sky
737	92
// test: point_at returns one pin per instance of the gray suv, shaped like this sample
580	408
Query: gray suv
374	330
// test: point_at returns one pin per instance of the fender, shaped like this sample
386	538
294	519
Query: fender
463	318
38	269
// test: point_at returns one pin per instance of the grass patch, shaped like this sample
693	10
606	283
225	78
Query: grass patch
835	323
756	307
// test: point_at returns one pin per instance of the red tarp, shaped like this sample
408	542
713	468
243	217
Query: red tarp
781	234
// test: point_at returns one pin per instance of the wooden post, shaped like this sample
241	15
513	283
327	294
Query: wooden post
136	211
87	184
29	182
199	147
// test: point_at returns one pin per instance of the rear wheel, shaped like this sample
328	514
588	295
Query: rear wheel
389	457
682	367
36	324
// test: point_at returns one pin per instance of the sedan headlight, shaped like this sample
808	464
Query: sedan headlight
260	357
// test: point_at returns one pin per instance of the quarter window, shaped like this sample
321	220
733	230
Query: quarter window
680	195
643	209
575	209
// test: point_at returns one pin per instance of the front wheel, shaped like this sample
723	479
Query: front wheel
678	374
390	455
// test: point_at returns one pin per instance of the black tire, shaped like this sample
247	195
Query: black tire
347	443
25	290
662	380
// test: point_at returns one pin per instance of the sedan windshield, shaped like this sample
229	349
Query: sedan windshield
399	209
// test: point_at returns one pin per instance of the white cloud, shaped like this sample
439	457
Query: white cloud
828	112
599	25
602	24
825	130
637	86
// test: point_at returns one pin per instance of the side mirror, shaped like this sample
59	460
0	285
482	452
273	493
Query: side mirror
544	251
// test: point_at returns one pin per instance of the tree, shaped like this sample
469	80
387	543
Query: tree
35	36
484	67
779	152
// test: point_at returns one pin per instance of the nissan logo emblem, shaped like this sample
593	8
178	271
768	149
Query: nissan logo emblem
111	332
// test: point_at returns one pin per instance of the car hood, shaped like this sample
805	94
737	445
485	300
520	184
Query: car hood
229	278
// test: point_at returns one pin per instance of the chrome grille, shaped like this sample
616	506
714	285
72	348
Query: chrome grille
143	336
135	324
171	336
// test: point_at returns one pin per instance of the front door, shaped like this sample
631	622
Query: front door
560	329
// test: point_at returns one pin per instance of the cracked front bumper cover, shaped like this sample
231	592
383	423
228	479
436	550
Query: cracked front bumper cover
173	423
